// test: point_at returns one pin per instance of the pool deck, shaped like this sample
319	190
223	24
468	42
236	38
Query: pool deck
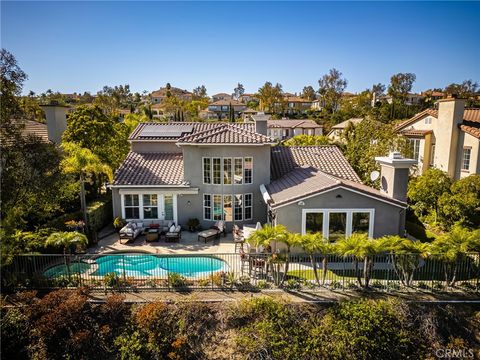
188	244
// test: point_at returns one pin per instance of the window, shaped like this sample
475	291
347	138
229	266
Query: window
248	206
428	120
227	208
132	207
360	222
314	223
415	148
216	171
248	167
432	155
238	170
217	207
168	204
337	226
238	207
150	206
466	158
207	171
227	171
207	207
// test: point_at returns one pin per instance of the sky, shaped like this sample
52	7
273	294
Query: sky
82	46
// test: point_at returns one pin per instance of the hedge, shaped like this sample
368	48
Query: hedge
99	215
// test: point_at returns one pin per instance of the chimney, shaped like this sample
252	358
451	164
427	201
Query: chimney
450	116
261	123
394	175
56	121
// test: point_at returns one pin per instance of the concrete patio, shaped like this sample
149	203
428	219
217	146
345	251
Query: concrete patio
188	244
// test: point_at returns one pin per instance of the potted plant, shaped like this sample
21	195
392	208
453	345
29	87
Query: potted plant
193	224
118	223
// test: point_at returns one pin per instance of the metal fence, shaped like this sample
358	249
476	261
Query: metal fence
136	272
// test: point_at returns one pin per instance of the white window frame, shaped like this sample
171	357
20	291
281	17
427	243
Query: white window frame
242	172
140	205
203	170
326	220
466	150
428	120
213	171
203	207
251	206
243	168
414	142
160	202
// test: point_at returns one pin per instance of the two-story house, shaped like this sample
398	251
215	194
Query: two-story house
337	131
222	108
221	96
158	96
286	129
447	139
236	173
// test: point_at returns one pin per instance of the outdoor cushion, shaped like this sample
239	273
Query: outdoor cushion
170	223
178	228
172	228
139	224
154	226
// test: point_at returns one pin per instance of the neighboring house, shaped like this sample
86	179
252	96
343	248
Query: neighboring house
294	104
207	115
248	113
447	138
433	95
245	98
317	105
234	172
286	129
221	96
158	96
337	131
410	99
222	108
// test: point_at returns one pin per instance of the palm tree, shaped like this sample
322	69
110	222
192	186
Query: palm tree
66	240
362	249
290	240
405	255
451	247
317	244
84	163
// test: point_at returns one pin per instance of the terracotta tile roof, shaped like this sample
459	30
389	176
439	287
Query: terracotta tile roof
173	90
226	133
296	99
227	102
291	124
37	129
471	115
328	159
150	169
417	117
305	181
413	132
345	123
472	128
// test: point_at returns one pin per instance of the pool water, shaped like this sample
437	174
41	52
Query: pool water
62	270
140	265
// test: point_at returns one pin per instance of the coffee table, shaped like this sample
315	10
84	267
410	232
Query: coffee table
208	234
152	235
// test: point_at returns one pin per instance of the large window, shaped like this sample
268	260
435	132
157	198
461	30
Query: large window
466	158
150	206
334	224
415	148
227	171
207	170
132	207
248	169
217	178
238	170
237	207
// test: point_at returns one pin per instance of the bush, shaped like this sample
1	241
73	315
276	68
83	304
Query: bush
99	215
176	280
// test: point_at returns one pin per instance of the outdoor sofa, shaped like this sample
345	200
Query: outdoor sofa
174	235
131	231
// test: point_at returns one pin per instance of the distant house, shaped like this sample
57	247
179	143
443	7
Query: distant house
338	130
295	104
248	113
447	139
317	105
433	95
245	98
221	96
222	108
286	129
159	95
410	99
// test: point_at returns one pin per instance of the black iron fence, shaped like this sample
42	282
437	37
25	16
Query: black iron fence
128	271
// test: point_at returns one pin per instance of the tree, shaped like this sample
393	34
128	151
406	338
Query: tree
316	244
238	91
270	96
200	92
308	93
462	205
266	235
452	247
66	240
231	113
331	87
468	89
308	140
400	85
425	190
111	99
378	90
83	163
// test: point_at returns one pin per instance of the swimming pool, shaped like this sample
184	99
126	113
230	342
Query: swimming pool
62	270
141	265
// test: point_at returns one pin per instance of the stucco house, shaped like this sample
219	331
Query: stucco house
447	138
236	173
222	108
159	95
284	129
337	131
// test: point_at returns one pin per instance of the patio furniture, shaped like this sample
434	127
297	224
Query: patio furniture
131	231
220	227
175	235
152	235
238	238
208	234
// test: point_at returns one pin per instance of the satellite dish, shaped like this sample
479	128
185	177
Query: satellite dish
374	175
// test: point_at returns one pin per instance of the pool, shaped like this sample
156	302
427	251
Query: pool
141	265
62	270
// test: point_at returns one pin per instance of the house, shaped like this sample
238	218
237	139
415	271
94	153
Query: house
447	139
295	104
248	113
221	96
236	173
337	131
410	99
285	129
245	98
159	95
317	105
222	108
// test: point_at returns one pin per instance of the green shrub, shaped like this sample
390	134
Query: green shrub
176	280
99	215
111	280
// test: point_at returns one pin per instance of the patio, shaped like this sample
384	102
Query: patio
188	244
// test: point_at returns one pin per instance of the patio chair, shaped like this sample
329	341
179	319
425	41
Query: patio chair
238	238
174	235
220	227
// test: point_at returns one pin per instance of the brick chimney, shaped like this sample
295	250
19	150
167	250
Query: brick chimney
394	175
261	125
56	121
450	115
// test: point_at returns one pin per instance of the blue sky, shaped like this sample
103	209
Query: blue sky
69	46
